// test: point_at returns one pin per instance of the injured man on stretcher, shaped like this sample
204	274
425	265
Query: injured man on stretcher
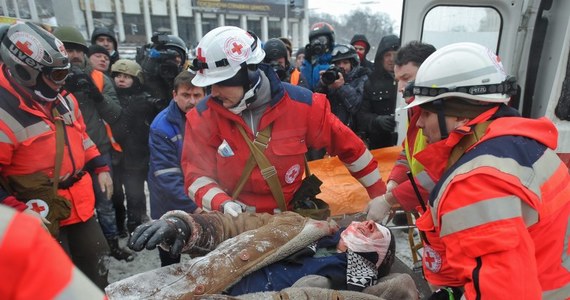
258	255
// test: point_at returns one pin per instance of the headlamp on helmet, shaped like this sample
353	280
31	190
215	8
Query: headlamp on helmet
507	87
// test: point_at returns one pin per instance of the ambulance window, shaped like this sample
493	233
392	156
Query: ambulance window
444	25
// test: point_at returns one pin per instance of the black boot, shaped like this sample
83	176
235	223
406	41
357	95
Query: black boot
118	252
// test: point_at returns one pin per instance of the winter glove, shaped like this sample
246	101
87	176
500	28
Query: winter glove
378	209
232	208
79	81
391	185
172	232
385	122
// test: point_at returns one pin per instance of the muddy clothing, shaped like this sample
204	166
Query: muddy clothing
236	247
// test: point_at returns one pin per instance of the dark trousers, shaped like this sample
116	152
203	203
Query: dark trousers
86	246
166	259
134	179
118	197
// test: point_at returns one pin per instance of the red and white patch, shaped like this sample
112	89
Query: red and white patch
432	259
236	49
39	206
28	45
292	173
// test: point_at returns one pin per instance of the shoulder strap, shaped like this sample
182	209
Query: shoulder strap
268	171
58	148
466	143
262	138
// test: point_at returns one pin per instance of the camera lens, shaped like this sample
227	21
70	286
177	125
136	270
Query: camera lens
329	76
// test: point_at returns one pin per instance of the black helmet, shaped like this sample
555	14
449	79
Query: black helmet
322	28
164	41
274	49
342	51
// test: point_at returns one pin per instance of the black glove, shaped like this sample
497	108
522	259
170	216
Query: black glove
446	294
79	81
385	122
171	231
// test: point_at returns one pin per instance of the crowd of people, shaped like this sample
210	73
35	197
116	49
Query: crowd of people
223	143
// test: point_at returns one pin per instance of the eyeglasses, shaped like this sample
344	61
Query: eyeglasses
58	75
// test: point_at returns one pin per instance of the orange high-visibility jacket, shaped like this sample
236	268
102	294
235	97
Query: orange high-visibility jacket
502	210
34	266
27	144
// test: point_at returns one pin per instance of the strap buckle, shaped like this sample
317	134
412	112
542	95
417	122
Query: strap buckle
262	140
268	172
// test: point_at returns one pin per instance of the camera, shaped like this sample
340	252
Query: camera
331	75
159	38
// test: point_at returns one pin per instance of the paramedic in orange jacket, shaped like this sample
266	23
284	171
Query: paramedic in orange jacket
502	203
35	66
29	258
250	94
400	190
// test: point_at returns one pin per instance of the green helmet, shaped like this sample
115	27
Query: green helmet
129	67
70	36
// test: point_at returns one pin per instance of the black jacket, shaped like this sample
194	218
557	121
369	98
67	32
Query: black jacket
345	101
379	98
139	109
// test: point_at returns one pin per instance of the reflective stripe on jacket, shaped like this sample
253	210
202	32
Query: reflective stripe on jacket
502	211
27	144
215	153
34	266
165	177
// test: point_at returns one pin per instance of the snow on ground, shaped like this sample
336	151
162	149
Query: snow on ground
148	259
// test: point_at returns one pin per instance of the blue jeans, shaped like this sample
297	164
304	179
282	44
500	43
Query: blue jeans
104	206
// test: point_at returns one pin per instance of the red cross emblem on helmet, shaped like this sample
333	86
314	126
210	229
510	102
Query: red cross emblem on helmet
236	49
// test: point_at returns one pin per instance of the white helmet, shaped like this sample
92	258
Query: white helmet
462	70
222	52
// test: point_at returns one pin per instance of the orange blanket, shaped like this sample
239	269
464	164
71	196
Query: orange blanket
340	190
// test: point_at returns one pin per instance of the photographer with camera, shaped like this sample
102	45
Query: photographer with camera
317	53
276	55
343	83
161	62
100	108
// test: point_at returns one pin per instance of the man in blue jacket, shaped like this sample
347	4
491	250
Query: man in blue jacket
165	178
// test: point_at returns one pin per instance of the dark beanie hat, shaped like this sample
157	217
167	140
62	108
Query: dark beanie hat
97	49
